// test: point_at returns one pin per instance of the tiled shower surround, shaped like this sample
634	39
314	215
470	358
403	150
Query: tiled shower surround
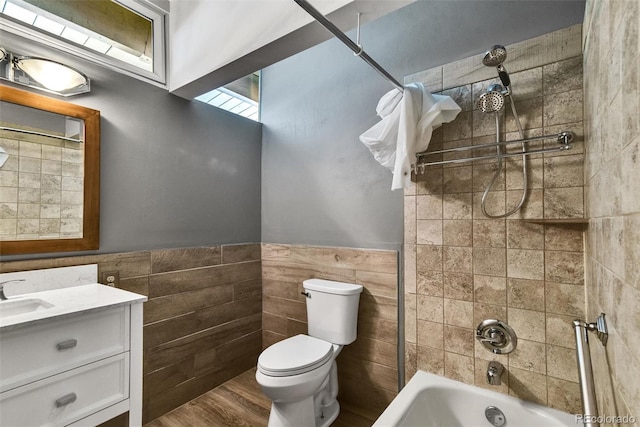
612	198
462	267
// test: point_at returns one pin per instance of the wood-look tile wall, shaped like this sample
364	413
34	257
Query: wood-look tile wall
462	267
367	368
202	321
612	194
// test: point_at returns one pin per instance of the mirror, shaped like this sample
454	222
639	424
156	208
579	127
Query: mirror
49	174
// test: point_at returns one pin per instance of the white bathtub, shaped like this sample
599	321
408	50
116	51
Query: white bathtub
430	400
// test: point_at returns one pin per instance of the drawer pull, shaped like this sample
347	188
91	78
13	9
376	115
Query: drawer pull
65	400
65	345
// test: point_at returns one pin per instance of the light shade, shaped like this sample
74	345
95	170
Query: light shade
50	74
42	74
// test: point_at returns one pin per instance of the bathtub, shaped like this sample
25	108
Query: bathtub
430	400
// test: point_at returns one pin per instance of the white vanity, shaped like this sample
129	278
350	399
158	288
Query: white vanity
69	355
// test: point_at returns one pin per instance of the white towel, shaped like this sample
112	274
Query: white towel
408	120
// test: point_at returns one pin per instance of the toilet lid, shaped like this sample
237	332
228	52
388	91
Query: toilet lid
295	355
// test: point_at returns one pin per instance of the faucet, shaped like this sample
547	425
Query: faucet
494	372
2	294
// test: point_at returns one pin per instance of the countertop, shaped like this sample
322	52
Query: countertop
68	301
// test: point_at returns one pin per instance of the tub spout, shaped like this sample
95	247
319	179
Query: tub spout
494	372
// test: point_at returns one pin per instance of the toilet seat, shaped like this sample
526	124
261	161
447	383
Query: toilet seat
294	356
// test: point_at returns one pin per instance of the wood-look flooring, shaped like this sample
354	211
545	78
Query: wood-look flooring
240	402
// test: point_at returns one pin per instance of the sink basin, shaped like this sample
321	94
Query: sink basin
14	308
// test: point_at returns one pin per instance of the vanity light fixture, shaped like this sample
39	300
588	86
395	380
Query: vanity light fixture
42	73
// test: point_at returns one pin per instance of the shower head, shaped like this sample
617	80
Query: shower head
496	56
491	101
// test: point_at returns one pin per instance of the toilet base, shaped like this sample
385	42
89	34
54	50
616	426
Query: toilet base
329	414
297	414
294	414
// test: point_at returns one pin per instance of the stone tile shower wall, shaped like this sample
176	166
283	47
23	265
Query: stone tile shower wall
612	198
41	188
202	321
462	267
367	368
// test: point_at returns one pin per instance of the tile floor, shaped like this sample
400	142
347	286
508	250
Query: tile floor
240	402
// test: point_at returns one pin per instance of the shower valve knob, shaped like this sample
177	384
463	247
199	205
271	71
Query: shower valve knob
496	336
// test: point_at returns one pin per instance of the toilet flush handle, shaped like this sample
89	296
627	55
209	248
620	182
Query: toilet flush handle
306	294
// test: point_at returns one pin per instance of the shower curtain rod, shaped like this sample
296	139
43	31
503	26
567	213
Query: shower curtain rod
357	50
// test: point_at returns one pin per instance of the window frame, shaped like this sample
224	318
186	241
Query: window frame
158	18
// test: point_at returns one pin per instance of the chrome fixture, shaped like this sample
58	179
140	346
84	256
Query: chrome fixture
43	74
495	416
564	140
496	336
585	371
492	101
3	296
355	47
495	58
494	372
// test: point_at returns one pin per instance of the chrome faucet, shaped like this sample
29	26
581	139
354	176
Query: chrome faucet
2	295
494	372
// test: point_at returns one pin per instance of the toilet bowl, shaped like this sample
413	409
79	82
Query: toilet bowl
299	374
293	373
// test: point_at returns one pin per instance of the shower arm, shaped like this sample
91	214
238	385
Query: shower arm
357	49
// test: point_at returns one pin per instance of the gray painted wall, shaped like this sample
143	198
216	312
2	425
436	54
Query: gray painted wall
320	185
173	173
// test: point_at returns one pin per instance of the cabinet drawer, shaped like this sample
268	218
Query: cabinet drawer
35	352
69	396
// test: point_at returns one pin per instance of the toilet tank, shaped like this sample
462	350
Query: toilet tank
332	310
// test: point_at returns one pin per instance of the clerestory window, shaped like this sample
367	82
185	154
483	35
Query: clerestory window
127	35
241	97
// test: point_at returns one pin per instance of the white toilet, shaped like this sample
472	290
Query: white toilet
299	374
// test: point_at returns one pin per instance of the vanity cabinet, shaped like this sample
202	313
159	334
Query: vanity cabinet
81	369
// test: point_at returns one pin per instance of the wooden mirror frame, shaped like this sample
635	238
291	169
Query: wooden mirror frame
91	204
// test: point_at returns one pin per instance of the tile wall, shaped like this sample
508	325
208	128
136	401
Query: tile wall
367	368
41	188
202	321
462	267
612	198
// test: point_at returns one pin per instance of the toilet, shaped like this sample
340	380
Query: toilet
299	374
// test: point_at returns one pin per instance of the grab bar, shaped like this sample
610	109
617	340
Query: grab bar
585	371
564	140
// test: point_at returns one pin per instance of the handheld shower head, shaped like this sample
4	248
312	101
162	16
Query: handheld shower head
495	56
491	101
